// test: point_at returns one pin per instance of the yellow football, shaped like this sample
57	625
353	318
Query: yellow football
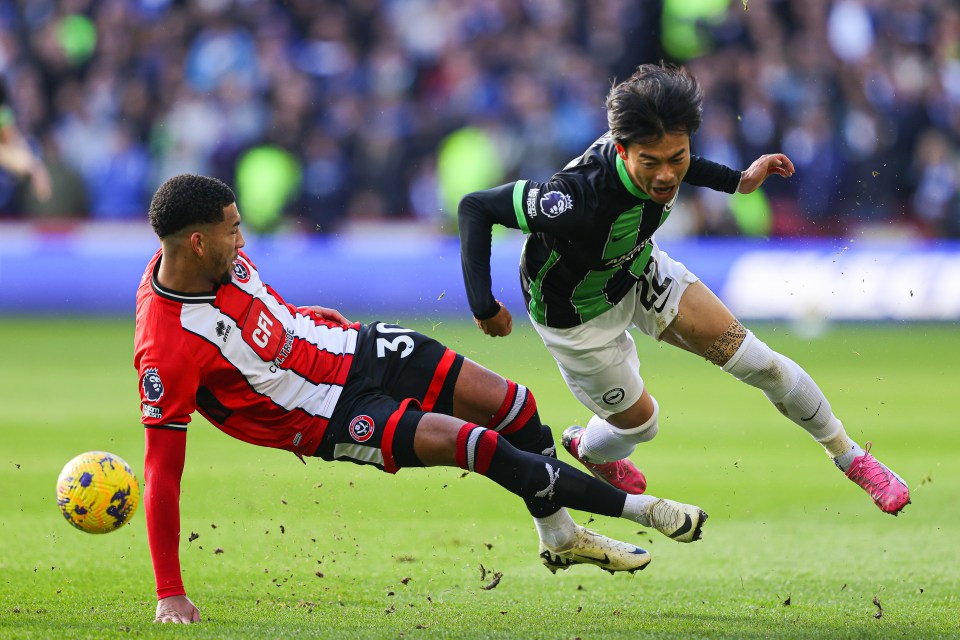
97	492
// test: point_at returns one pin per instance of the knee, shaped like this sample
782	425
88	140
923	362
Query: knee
639	418
640	430
649	429
516	411
649	433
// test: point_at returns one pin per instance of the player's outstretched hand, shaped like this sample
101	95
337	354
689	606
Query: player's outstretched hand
327	314
178	610
765	165
499	325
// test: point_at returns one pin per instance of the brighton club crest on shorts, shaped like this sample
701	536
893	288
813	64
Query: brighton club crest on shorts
361	428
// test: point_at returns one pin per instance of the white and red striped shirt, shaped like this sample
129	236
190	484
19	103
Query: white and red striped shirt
259	369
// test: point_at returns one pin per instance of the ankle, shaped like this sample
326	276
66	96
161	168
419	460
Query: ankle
637	508
557	531
845	459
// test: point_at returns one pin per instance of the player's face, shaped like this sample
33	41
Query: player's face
225	240
657	167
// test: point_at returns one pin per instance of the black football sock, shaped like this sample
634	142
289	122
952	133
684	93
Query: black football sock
532	476
518	421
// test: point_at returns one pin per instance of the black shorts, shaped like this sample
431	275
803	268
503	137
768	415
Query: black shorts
396	376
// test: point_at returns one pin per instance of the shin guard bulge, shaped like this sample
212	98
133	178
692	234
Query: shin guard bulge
532	476
518	421
791	389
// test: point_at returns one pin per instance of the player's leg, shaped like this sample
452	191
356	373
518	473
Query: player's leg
517	421
707	328
442	381
598	361
486	398
443	440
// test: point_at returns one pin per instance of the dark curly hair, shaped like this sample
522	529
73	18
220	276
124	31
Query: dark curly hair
654	101
188	199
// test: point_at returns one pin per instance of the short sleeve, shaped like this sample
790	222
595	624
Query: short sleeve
168	389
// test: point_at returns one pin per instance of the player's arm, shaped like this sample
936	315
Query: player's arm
169	379
164	457
764	166
323	313
314	311
477	214
564	208
706	173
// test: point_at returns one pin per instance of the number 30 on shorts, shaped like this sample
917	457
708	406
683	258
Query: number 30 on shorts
401	342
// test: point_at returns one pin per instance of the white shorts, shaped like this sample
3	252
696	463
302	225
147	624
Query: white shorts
598	359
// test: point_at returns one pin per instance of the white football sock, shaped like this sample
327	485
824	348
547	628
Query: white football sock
603	442
637	508
557	531
791	389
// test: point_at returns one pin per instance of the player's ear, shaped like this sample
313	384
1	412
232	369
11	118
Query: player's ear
621	151
197	243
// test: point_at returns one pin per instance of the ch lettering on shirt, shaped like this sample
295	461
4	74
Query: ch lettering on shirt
284	350
259	332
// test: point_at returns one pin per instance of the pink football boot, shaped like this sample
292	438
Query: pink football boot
887	489
621	474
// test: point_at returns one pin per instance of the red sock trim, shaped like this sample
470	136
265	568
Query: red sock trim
485	450
521	419
505	406
386	444
462	436
529	408
439	377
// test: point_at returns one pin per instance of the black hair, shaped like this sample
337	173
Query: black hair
186	200
657	99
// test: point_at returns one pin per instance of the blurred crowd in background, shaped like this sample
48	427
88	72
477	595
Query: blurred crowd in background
328	115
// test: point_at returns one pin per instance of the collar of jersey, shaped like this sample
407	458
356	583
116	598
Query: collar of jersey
178	296
627	182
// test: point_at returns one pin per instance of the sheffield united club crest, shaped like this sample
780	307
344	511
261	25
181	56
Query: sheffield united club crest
240	271
362	428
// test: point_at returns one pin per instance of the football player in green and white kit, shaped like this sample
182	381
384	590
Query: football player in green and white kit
591	270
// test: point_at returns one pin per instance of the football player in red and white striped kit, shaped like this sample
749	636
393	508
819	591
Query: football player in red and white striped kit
212	337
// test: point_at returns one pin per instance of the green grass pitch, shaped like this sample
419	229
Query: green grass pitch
792	548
